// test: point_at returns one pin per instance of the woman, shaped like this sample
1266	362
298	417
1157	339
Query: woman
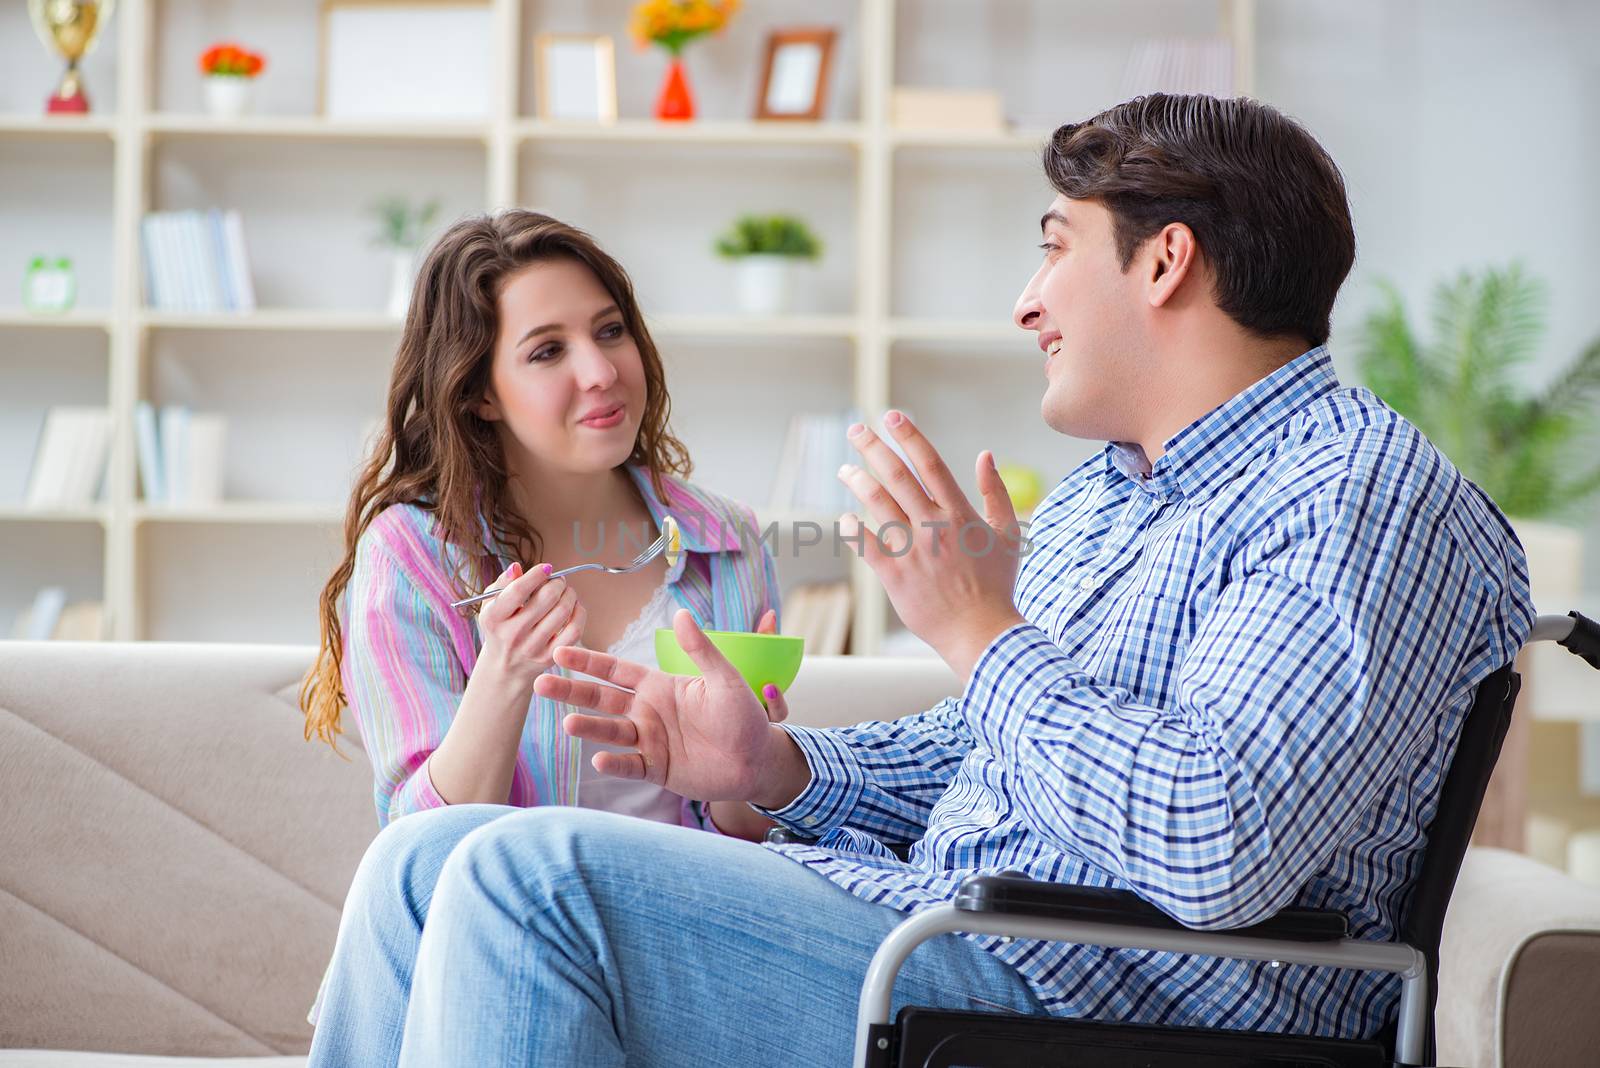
527	421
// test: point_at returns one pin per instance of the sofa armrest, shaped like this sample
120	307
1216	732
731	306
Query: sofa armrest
1519	965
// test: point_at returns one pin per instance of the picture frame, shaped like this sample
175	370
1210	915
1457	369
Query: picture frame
405	59
577	77
794	76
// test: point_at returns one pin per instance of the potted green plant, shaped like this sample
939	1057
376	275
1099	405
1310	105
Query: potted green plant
1531	451
766	249
402	228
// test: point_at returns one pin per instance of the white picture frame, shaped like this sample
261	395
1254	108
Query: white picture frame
577	77
406	59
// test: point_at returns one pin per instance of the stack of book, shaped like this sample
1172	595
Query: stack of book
820	614
196	262
180	454
1180	65
70	461
50	616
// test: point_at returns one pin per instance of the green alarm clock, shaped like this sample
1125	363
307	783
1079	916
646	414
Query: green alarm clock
49	285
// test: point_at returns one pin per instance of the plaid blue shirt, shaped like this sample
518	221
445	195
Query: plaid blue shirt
1239	686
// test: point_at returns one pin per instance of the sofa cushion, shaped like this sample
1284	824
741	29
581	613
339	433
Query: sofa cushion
177	854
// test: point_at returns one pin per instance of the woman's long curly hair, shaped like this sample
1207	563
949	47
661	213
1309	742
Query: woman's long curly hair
434	451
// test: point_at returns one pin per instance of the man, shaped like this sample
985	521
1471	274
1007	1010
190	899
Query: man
1229	676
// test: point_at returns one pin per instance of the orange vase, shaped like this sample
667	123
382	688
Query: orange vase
676	102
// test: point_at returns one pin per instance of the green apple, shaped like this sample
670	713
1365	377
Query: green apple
1024	485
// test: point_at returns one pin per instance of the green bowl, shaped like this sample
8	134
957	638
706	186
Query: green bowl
760	658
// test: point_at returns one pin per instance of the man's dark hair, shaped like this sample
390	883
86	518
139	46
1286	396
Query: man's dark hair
1266	203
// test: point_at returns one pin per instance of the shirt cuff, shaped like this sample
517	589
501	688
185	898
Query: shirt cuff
1014	672
835	788
416	794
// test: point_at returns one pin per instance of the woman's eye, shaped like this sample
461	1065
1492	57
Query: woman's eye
547	352
611	332
1050	246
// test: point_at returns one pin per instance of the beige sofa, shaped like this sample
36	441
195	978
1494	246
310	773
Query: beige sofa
175	857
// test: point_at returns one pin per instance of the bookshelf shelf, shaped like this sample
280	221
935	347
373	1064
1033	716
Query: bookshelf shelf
244	512
635	131
823	326
287	320
62	127
1021	140
76	319
312	128
16	514
903	213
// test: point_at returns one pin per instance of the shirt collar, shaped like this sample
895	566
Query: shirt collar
1215	447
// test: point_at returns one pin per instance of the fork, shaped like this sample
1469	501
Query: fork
669	542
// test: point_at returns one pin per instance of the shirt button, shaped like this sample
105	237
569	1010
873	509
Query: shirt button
1086	582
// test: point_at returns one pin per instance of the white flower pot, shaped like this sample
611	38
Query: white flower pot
228	95
402	274
765	284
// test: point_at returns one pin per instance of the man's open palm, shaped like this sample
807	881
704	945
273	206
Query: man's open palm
702	737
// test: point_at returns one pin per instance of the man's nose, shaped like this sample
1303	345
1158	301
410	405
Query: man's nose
1029	309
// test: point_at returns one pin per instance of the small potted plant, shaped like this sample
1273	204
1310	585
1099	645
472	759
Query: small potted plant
230	73
402	228
673	24
766	249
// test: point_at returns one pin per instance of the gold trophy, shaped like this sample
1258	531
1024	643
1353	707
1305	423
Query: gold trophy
71	28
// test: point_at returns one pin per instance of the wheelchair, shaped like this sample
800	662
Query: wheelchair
1011	905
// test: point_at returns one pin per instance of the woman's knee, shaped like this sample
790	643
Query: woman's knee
405	859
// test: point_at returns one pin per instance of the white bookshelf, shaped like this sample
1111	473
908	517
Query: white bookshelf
897	315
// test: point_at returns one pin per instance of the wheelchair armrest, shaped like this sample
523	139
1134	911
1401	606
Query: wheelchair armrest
1584	641
1012	894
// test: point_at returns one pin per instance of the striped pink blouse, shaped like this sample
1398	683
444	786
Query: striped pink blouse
407	653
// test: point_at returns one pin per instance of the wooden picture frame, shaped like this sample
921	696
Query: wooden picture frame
405	59
794	77
577	77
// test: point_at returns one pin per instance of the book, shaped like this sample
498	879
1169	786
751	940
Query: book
38	621
244	292
149	442
175	452
196	261
820	614
70	460
203	456
81	621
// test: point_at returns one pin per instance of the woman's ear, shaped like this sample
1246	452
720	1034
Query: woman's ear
488	408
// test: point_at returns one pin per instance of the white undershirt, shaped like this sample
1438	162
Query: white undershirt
631	797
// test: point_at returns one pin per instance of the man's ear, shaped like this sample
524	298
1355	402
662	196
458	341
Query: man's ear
1173	256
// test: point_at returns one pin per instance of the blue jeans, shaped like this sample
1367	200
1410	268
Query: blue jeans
480	935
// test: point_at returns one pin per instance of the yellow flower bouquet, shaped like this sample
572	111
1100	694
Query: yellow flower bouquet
674	23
